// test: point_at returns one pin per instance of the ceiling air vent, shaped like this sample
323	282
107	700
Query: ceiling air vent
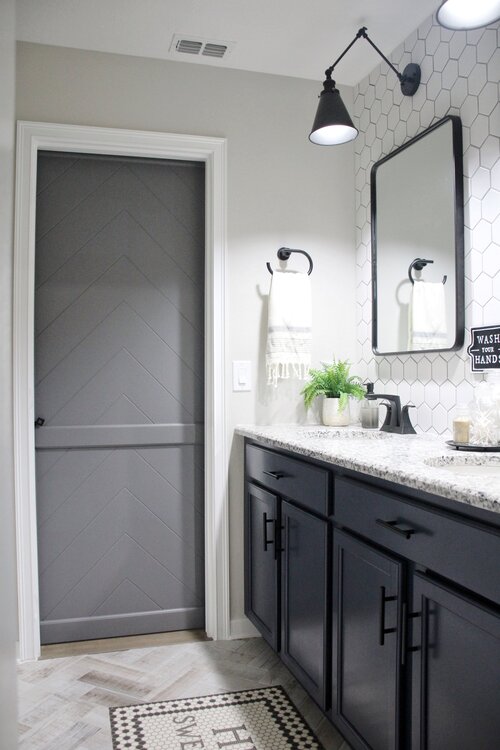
189	45
214	50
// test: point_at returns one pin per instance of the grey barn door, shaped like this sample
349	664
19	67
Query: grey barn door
119	384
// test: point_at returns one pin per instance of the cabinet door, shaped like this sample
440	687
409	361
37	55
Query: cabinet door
455	671
304	599
366	644
261	563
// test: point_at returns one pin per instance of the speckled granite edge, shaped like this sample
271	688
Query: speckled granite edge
409	460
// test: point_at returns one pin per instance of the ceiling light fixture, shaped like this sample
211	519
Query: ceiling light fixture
332	124
464	14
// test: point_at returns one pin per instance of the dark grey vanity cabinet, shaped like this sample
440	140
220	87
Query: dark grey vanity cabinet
387	602
438	683
286	562
367	593
262	562
456	670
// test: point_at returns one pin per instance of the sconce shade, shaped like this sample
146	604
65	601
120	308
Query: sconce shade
332	124
468	14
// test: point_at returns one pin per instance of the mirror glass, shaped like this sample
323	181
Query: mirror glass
417	216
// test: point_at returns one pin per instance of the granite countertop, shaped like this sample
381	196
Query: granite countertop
417	461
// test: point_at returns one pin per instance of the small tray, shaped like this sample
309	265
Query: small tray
470	447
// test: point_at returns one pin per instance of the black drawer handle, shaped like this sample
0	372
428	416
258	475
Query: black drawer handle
383	631
274	474
392	525
267	541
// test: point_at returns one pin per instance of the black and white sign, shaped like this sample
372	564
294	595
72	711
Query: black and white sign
484	348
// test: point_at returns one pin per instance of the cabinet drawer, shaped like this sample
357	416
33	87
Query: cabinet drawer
460	550
289	477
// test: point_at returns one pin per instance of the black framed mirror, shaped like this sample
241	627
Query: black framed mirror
417	228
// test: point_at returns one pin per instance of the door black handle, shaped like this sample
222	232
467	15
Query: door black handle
266	520
280	533
274	474
383	631
392	526
39	422
405	617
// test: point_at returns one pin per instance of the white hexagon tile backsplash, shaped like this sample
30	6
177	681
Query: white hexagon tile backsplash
460	76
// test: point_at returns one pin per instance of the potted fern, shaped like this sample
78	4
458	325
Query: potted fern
334	382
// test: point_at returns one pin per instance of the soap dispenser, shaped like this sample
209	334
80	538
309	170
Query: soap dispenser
369	410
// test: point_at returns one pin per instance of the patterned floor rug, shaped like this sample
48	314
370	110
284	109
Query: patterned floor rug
261	719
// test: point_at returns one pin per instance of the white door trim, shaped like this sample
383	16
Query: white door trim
32	137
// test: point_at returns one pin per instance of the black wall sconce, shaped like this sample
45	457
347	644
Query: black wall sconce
466	14
332	124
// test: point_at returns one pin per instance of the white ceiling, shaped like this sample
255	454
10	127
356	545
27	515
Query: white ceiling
298	38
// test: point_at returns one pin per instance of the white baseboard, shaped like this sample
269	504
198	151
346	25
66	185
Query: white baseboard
243	628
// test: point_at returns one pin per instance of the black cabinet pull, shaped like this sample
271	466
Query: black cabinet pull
404	627
39	422
383	631
405	617
392	525
279	534
274	474
266	521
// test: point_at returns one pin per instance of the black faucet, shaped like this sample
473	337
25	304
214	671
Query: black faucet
397	419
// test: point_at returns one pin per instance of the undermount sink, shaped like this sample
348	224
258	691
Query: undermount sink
468	466
347	433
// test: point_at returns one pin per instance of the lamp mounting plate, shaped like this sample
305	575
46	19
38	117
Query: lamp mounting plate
410	80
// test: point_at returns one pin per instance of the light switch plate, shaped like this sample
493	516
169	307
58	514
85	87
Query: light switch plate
242	375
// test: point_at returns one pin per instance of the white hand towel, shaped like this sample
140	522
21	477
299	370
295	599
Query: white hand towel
427	316
288	352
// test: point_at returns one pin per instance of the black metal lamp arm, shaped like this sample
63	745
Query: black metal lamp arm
329	71
399	75
410	77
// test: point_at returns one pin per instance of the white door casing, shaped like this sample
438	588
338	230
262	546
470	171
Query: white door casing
32	137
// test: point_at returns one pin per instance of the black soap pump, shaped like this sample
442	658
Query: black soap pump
369	410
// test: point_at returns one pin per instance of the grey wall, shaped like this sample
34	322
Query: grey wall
7	556
282	190
460	76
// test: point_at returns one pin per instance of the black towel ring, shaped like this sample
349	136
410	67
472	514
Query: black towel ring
418	264
285	252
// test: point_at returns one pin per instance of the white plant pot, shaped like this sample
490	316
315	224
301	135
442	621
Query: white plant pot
332	416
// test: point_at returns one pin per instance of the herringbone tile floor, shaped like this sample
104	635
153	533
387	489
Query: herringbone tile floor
63	702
